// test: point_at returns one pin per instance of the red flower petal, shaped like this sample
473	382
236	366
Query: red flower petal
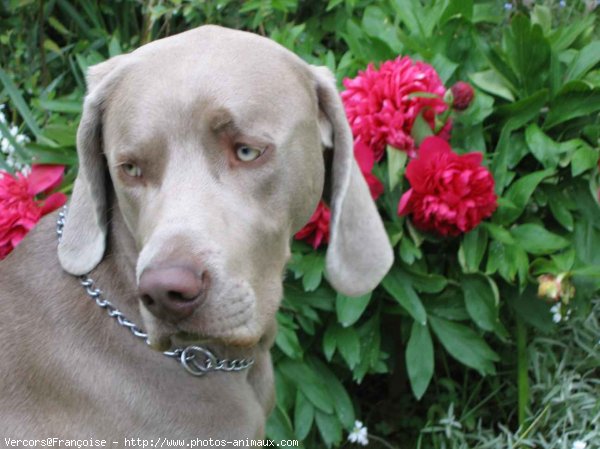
316	231
53	202
381	109
44	178
450	194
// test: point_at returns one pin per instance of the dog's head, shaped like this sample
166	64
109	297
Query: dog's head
214	144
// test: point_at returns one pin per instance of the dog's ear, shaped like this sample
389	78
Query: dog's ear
359	253
84	236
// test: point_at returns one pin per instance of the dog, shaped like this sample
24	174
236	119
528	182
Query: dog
201	155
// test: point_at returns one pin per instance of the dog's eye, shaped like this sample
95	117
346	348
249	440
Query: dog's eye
132	170
246	154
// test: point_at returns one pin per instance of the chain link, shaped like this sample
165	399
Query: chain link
196	360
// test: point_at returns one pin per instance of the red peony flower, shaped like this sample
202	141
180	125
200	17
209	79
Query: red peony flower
449	194
19	210
316	231
463	95
381	109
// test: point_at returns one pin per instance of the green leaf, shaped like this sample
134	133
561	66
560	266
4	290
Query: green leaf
341	400
587	271
561	213
420	129
531	309
419	359
480	109
542	147
61	105
573	104
528	53
491	82
410	14
329	428
585	158
287	340
497	62
535	239
465	345
567	33
332	4
518	149
455	10
285	391
518	194
114	47
397	283
307	381
586	240
450	306
346	340
394	231
486	13
542	16
520	113
444	67
586	59
376	23
426	282
349	310
498	233
500	163
329	341
519	262
480	301
19	102
304	414
310	267
396	160
472	249
564	260
279	426
322	298
348	345
370	349
408	251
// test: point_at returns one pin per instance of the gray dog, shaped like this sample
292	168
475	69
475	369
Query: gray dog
200	156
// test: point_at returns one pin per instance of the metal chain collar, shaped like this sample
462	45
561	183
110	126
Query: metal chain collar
197	360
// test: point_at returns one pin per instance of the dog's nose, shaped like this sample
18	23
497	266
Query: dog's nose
172	293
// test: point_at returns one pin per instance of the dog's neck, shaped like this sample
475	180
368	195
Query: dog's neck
115	275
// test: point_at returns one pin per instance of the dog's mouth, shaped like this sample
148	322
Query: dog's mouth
182	339
239	328
177	340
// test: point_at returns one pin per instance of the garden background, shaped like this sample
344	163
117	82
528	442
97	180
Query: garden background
484	339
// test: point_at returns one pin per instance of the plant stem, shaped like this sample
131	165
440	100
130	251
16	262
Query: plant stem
381	440
522	377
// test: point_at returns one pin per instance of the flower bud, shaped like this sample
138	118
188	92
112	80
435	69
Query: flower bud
463	95
555	288
549	287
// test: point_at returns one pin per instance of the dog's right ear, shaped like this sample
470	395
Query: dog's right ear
359	253
84	236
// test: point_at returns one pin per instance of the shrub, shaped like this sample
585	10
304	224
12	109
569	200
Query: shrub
453	319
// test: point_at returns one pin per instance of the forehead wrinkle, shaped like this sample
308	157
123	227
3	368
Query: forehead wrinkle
221	120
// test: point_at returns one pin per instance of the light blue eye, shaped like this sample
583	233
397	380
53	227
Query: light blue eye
132	170
246	154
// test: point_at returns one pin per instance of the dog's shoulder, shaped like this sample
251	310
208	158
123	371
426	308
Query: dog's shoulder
32	268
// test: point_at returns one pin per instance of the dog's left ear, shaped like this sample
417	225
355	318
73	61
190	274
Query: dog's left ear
83	241
359	253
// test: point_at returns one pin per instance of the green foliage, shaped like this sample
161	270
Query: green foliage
410	355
